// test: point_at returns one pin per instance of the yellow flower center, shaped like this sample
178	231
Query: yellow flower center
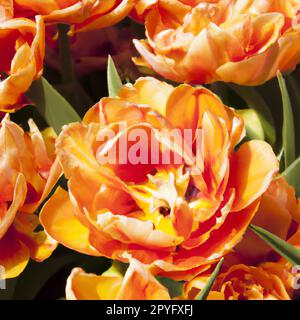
156	198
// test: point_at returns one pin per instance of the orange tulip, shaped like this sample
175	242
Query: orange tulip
142	7
82	15
203	41
22	46
177	216
241	282
28	173
285	270
278	213
137	284
270	280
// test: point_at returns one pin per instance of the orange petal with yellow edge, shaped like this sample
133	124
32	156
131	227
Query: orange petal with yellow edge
87	286
14	256
137	284
140	284
58	219
18	200
39	243
148	91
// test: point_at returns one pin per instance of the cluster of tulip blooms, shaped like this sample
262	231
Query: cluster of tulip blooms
223	222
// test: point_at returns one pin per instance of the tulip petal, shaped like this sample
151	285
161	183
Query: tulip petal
148	91
6	10
253	166
18	200
39	243
59	221
131	230
283	55
158	63
85	286
139	284
282	197
14	255
27	62
100	20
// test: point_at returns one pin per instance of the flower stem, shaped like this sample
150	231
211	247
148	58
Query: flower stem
66	62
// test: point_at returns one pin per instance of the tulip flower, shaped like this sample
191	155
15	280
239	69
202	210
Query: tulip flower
241	282
22	46
155	174
29	171
137	284
276	279
279	213
82	15
287	272
241	41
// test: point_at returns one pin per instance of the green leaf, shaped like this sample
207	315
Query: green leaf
288	130
51	105
285	249
76	95
253	124
117	269
175	287
205	291
293	84
292	175
114	82
255	101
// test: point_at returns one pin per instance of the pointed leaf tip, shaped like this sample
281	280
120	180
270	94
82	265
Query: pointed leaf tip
205	291
292	175
256	101
288	129
286	250
114	82
54	108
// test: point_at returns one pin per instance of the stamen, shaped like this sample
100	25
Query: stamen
165	211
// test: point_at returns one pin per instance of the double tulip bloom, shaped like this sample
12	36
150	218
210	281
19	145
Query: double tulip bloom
136	284
82	15
283	222
242	282
177	218
29	171
250	272
22	40
240	41
22	49
159	176
253	271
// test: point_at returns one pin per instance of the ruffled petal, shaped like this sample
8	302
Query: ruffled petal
14	256
18	200
59	221
40	244
253	167
86	286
